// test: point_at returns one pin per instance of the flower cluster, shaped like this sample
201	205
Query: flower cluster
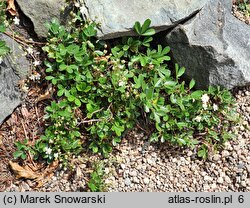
205	99
35	77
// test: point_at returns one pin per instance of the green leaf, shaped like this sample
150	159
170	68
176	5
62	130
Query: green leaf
60	92
181	125
191	84
157	84
17	154
3	48
90	31
143	60
170	83
203	153
69	70
73	49
159	49
149	93
62	67
173	99
180	72
125	47
166	50
137	82
91	185
197	94
78	102
71	98
145	26
147	40
149	32
54	81
95	149
137	28
157	117
23	156
49	77
2	28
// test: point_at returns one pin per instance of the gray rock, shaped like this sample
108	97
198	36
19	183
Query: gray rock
214	47
117	17
13	68
42	11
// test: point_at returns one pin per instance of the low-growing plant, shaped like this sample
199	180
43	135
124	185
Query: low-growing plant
96	182
244	6
4	49
104	90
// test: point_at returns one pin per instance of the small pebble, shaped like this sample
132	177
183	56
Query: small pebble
216	157
146	181
127	182
123	166
220	180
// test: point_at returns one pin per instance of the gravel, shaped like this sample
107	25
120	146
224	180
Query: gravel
240	14
167	168
139	166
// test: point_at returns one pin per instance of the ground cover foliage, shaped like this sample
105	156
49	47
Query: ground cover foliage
103	90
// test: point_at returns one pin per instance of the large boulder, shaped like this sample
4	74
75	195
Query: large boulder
214	46
13	67
43	11
117	17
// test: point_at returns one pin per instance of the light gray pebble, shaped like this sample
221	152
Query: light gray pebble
123	166
240	166
227	179
220	180
248	169
146	181
243	183
133	173
208	178
225	153
216	157
127	182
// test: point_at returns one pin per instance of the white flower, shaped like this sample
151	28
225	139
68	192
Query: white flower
204	105
30	50
121	83
25	88
198	119
36	63
77	4
6	23
47	150
35	77
56	155
215	107
1	59
16	21
82	9
205	98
